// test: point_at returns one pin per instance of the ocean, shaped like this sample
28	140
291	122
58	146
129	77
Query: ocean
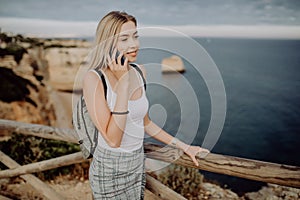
262	84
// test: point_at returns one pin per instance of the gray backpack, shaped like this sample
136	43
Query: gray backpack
83	124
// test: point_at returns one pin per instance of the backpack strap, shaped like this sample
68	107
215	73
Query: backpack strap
135	66
103	81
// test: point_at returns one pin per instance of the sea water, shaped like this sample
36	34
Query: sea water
262	83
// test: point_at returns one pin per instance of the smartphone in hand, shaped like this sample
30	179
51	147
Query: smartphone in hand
116	57
122	58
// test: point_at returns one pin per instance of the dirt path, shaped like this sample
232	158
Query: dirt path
62	102
70	189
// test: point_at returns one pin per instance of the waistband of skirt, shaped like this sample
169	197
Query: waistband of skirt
105	151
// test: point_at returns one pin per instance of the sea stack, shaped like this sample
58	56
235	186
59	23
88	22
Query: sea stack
172	64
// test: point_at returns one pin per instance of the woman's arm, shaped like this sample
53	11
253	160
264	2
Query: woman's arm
111	126
158	133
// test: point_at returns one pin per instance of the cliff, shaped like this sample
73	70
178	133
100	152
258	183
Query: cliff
34	73
24	77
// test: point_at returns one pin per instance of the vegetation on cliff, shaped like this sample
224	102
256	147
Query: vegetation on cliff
28	149
14	87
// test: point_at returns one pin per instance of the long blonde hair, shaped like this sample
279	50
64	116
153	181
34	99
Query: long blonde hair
107	36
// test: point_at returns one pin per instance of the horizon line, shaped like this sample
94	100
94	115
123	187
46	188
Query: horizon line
45	28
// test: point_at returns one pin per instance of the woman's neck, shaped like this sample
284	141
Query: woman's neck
113	73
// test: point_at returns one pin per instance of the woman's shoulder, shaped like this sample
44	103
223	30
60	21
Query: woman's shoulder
92	76
142	68
94	72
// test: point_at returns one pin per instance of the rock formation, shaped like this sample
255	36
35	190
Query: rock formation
172	64
34	72
24	89
64	59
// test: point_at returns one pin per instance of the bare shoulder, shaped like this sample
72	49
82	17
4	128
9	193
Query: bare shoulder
90	79
89	76
143	69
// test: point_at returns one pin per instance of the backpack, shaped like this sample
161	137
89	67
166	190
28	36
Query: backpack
83	124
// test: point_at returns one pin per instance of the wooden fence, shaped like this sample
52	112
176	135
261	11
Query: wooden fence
240	167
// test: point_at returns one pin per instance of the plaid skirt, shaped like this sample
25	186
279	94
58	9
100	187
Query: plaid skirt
117	175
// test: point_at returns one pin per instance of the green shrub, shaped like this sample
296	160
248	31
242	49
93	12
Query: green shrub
15	50
183	180
30	149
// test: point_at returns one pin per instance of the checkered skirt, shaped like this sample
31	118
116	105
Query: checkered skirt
117	175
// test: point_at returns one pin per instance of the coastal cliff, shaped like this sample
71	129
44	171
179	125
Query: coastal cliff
34	75
24	81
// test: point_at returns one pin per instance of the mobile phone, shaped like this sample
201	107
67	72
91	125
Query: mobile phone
116	57
122	58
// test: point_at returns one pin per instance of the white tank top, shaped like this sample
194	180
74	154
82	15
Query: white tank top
133	136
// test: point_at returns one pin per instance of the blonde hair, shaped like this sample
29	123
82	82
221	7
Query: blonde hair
106	37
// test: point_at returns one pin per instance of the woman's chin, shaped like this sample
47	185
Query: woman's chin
131	60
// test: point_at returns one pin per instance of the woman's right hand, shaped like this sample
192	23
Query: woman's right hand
120	71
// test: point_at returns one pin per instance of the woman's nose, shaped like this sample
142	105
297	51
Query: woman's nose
133	43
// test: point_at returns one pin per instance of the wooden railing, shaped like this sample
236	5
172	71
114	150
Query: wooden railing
240	167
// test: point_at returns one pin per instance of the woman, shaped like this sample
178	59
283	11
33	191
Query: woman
117	169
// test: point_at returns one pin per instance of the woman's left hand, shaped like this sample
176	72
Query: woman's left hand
192	151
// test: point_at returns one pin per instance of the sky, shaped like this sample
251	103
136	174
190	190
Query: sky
66	17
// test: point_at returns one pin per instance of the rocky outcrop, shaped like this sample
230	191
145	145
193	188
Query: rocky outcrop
64	63
65	59
274	192
24	81
172	64
34	72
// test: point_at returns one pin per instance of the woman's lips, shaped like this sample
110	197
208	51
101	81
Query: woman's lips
132	53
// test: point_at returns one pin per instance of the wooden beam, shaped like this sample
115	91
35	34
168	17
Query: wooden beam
42	165
161	190
150	196
4	198
36	183
240	167
47	132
